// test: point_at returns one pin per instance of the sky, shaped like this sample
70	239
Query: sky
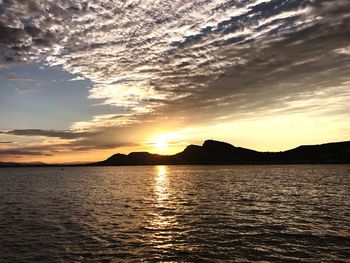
82	80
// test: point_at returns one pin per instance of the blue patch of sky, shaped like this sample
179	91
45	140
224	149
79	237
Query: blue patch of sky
42	97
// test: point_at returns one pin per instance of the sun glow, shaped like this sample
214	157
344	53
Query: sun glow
161	143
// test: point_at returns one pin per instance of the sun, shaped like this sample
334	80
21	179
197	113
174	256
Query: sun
162	142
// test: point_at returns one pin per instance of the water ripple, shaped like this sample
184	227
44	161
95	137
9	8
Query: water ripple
175	213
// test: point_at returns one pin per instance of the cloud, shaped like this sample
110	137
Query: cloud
47	133
106	121
186	62
54	149
70	141
77	78
19	152
22	90
26	151
177	52
15	77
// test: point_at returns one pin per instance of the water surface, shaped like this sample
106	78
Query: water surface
174	213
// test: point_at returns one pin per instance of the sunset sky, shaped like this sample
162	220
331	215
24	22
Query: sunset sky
81	80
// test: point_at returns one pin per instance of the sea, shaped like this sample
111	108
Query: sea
286	213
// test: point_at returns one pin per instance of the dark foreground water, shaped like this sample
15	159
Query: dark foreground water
175	213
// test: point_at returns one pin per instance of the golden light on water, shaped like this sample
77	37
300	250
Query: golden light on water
162	171
161	193
161	183
164	217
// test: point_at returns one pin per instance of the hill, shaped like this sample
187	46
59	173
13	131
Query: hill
215	152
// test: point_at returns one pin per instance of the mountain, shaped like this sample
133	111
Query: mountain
215	152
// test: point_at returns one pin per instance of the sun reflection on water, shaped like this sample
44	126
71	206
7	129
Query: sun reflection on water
162	171
163	217
161	184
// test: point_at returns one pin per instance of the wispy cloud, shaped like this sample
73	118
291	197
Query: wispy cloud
15	77
27	90
20	152
106	121
186	61
179	50
54	142
47	133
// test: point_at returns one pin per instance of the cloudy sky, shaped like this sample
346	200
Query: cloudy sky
80	80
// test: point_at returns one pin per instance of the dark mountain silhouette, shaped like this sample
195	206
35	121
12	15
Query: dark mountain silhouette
215	152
